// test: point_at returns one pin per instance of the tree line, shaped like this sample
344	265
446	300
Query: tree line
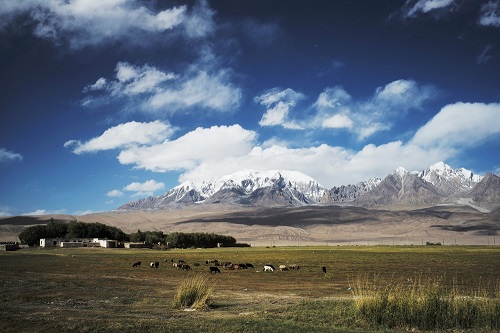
76	229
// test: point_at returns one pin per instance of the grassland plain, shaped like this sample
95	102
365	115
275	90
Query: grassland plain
97	290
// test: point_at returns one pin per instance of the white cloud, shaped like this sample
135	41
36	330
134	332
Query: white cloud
191	149
200	23
490	14
155	90
207	90
336	109
207	153
83	23
114	194
413	8
328	165
144	189
460	125
124	135
278	103
8	156
46	212
337	121
132	80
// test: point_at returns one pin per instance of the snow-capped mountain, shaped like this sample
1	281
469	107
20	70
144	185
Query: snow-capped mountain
448	180
401	187
182	194
438	184
248	187
346	193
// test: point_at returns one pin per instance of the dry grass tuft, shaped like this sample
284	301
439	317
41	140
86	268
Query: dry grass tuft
426	305
194	292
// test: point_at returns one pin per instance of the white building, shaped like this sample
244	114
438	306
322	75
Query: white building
78	242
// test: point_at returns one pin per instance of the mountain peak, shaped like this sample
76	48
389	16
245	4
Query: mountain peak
400	171
440	167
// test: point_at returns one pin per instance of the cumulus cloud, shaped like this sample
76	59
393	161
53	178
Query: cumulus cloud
124	135
460	125
207	90
413	8
278	103
490	14
132	80
144	189
337	121
114	194
82	23
336	109
46	212
8	156
329	165
152	89
206	153
189	150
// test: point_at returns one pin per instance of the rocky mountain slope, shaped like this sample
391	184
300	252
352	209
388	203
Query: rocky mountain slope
437	184
268	188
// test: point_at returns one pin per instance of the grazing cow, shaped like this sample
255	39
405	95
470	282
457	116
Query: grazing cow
268	268
136	264
185	267
249	265
324	269
154	264
242	266
294	266
283	268
214	270
176	265
196	264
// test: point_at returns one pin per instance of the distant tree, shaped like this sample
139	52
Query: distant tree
198	239
32	235
56	229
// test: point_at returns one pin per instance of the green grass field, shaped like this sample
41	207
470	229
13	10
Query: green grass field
97	290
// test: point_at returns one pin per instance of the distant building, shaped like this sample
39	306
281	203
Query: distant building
78	242
138	245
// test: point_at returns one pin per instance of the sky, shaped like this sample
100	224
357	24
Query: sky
108	101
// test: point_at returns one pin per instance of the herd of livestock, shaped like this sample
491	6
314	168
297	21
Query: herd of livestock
215	265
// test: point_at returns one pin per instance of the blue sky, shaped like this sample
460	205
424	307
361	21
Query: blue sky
104	102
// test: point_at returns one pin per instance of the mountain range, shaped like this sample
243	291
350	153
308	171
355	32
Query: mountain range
438	184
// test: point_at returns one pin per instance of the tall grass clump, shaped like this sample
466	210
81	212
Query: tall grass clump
426	305
193	292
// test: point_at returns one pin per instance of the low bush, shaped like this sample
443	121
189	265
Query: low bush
193	292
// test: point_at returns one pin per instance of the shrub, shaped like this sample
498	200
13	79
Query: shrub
193	292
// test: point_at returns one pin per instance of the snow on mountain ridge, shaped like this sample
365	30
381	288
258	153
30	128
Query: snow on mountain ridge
448	179
251	180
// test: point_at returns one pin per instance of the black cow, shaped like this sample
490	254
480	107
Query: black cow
249	265
136	264
214	270
324	269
